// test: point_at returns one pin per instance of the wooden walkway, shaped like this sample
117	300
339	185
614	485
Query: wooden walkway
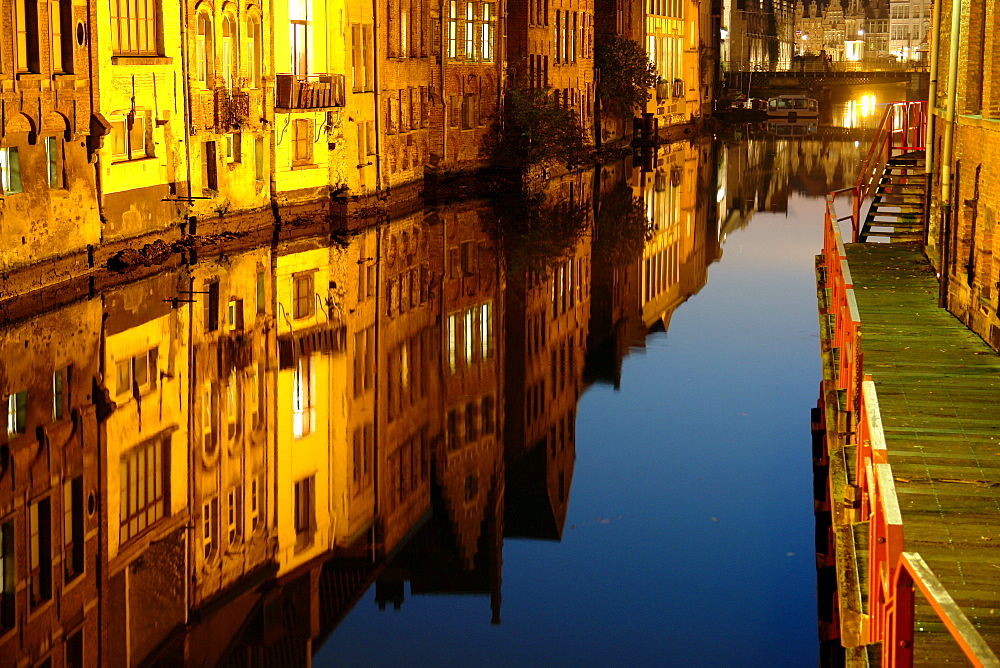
938	387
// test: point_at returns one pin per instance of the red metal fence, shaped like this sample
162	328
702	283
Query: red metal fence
892	572
901	130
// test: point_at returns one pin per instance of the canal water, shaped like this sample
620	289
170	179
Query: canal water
481	434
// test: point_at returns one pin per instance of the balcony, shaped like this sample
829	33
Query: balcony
662	90
313	91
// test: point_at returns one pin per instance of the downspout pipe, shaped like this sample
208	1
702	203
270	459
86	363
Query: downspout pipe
931	114
376	66
948	147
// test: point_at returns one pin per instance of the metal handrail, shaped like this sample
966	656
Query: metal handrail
892	572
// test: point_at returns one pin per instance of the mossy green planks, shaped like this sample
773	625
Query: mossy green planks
939	392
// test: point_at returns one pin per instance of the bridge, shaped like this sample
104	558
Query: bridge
812	75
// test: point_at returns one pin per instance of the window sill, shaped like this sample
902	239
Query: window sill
129	161
304	166
142	60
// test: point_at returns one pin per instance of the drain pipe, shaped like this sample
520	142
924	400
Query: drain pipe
931	107
948	148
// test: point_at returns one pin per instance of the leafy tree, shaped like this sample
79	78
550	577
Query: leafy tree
532	130
626	75
622	228
536	234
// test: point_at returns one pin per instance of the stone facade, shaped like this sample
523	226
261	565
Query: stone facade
962	239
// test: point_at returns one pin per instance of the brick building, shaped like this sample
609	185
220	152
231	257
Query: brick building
47	189
964	189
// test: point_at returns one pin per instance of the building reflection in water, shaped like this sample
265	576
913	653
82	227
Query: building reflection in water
214	463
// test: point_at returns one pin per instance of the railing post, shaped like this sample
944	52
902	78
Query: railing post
897	647
856	215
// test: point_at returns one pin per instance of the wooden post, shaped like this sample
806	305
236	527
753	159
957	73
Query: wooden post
897	647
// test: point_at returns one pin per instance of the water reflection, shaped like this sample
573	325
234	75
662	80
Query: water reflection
214	463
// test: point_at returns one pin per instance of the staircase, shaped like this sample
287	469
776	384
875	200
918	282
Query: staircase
897	207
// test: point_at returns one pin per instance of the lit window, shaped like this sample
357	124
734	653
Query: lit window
54	162
10	171
235	518
302	141
205	49
128	137
302	398
229	39
17	413
134	27
142	488
253	47
303	305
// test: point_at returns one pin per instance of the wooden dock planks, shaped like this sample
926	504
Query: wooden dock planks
939	391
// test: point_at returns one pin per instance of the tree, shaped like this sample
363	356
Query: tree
626	75
532	130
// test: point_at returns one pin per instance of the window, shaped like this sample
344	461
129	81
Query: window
137	374
364	445
212	307
205	50
17	413
486	330
486	43
302	398
404	45
232	405
254	504
302	142
73	527
7	583
60	394
229	58
259	158
303	302
210	415
10	171
261	293
128	137
40	551
134	27
303	510
253	47
54	162
234	315
453	28
74	650
470	33
61	35
210	528
234	147
299	14
471	424
142	477
235	515
26	35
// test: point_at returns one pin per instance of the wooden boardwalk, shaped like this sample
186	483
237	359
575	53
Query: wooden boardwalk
938	387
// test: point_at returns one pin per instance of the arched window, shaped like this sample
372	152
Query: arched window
229	39
254	46
205	49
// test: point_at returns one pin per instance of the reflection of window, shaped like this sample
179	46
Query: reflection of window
210	527
471	427
134	27
468	340
303	303
142	488
254	504
302	398
452	343
17	413
486	330
364	445
73	527
302	141
40	551
137	374
10	171
232	405
7	584
235	518
487	414
60	393
303	510
205	50
234	315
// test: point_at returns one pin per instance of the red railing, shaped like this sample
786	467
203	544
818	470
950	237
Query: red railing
892	572
901	130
